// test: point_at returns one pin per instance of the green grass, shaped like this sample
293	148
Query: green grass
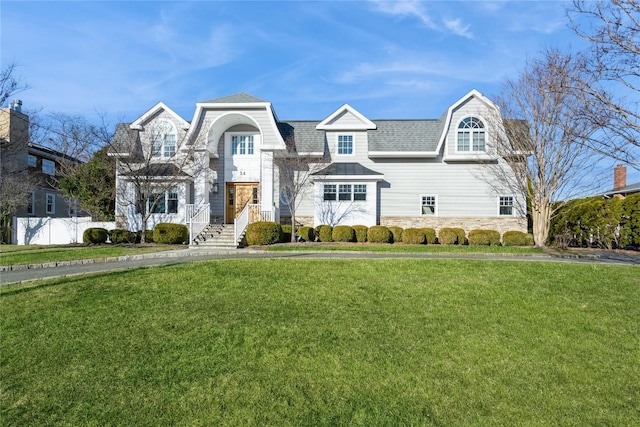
399	247
31	254
317	342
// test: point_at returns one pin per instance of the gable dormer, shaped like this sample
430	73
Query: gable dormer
346	118
469	129
158	110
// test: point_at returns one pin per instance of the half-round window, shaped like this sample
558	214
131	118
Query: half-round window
471	135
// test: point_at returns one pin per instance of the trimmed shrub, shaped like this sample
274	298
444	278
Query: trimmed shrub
379	234
325	233
286	233
119	236
263	233
361	233
148	236
170	234
95	235
430	234
447	236
462	237
396	232
308	234
343	233
484	237
517	238
414	236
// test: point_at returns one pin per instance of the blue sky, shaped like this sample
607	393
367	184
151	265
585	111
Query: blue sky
388	59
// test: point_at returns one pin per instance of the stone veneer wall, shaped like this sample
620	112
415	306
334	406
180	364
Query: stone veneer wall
500	225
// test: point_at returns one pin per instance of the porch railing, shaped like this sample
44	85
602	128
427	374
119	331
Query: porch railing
251	213
198	217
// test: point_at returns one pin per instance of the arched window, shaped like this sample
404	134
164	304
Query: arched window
471	135
163	135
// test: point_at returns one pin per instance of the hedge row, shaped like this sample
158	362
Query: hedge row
607	223
165	233
267	233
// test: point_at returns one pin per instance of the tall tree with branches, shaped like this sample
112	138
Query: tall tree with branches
152	165
612	89
295	172
543	136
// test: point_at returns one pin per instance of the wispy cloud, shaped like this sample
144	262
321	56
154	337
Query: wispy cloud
418	9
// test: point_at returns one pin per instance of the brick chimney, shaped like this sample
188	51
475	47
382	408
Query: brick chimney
619	177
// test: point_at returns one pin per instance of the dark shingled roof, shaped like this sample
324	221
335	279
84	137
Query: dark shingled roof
405	135
238	98
124	138
351	169
303	134
159	169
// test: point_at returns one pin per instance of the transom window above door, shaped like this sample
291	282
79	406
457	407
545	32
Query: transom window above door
242	145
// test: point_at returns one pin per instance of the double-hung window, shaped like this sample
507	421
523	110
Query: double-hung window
344	192
471	135
360	192
345	144
31	207
329	192
164	140
50	203
32	160
506	205
428	205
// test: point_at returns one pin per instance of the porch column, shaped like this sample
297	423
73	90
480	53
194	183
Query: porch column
266	181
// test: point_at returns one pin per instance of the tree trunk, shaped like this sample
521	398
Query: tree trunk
293	226
541	216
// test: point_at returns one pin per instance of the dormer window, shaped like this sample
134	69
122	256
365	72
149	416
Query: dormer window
164	140
345	145
471	135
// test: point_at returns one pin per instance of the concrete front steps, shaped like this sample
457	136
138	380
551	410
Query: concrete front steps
216	236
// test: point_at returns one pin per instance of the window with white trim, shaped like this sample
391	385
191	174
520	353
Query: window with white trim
506	205
344	192
164	140
360	192
471	135
329	192
166	203
428	205
48	167
50	203
345	144
31	207
242	145
32	160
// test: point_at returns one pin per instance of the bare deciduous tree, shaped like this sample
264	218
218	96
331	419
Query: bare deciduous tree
544	136
295	171
612	64
151	166
15	182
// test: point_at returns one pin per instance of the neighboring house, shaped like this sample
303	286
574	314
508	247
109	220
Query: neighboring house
411	173
620	187
29	171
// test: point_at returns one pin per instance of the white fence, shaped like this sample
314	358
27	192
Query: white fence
53	231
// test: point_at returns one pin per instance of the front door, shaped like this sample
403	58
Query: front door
238	194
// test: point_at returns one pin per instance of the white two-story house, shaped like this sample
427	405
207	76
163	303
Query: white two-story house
411	173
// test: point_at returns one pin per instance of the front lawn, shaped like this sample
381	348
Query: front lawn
31	254
401	247
326	342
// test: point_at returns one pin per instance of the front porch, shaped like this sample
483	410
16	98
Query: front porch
204	232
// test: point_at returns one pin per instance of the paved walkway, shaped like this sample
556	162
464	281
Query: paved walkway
24	273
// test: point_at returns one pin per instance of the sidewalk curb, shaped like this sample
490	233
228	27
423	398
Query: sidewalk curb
178	253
